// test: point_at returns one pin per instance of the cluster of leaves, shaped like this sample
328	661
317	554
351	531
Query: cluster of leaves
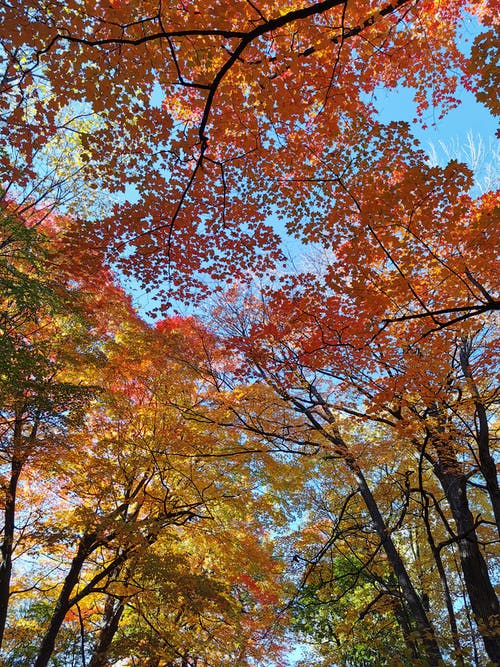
206	116
121	536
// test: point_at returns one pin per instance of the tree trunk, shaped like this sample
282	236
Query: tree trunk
486	461
112	615
8	543
403	620
62	605
442	576
411	597
342	451
409	594
482	596
17	462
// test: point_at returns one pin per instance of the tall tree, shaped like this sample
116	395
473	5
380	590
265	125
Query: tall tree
323	395
318	342
44	337
146	523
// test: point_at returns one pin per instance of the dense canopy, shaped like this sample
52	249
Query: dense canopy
304	460
207	115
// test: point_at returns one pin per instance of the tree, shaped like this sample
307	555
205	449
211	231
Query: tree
324	363
43	338
210	123
151	516
271	359
118	512
339	340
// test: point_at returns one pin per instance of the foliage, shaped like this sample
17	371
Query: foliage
317	455
207	116
111	510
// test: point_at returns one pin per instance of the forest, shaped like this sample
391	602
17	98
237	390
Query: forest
249	343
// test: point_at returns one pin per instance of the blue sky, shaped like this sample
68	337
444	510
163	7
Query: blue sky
468	116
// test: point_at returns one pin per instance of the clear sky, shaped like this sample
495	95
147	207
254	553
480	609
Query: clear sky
452	130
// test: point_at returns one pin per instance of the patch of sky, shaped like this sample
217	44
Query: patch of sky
466	133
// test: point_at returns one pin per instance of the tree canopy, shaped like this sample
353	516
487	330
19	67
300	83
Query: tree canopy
209	115
306	456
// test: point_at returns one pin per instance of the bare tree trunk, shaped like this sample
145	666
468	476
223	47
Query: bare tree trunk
113	611
482	596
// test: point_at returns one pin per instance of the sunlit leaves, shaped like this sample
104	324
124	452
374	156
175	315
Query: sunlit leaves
205	113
